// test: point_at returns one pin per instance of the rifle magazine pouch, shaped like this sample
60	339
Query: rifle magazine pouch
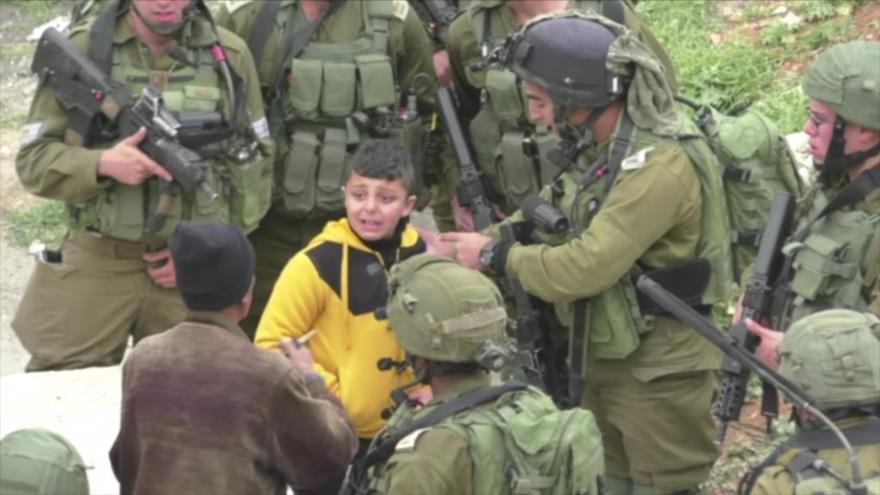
516	170
248	195
331	171
300	163
504	95
120	213
819	263
411	134
377	80
340	87
304	91
616	322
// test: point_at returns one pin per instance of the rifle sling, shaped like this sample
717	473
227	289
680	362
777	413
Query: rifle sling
262	28
385	447
854	192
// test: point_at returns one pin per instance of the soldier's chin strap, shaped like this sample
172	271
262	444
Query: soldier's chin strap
574	138
836	160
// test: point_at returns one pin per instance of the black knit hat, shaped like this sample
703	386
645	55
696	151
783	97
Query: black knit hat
214	264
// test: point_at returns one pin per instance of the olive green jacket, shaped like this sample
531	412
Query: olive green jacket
50	168
650	217
437	461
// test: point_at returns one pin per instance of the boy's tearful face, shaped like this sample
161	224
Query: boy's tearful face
375	206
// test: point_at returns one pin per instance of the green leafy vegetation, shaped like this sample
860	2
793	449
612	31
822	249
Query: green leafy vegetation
754	53
42	222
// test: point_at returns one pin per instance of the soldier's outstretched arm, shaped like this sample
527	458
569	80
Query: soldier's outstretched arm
645	204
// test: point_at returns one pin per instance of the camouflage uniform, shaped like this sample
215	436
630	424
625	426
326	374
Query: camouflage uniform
360	56
81	304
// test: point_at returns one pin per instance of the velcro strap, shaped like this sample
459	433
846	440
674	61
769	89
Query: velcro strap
473	320
751	238
735	173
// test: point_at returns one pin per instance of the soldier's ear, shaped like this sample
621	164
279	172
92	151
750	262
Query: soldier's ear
409	205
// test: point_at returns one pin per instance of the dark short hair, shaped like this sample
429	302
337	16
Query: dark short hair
384	159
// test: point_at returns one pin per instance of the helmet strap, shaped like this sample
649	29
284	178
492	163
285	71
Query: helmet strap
575	138
836	161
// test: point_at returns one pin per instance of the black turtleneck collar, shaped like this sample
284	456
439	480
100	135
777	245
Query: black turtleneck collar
387	248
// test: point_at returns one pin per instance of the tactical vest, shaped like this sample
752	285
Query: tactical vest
808	456
339	95
121	211
613	318
831	266
521	444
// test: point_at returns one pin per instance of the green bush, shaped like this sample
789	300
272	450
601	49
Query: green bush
42	222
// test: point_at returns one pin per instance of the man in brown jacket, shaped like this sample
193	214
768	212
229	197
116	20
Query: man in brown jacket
204	411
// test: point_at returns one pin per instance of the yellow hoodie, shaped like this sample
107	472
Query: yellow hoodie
333	286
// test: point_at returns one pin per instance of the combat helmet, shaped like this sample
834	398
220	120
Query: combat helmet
834	355
846	77
443	311
566	55
40	462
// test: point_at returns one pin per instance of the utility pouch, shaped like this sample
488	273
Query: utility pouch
249	194
616	322
516	170
340	88
504	95
304	92
332	170
300	164
817	262
376	81
120	213
411	134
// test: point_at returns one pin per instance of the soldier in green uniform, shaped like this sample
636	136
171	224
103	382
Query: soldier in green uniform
472	437
509	151
36	461
334	73
637	198
835	356
833	256
113	276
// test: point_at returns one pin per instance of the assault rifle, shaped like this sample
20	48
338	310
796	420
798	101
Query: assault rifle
542	364
735	350
436	15
100	106
755	305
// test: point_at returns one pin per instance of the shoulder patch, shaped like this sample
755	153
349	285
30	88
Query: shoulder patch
408	443
401	9
636	161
